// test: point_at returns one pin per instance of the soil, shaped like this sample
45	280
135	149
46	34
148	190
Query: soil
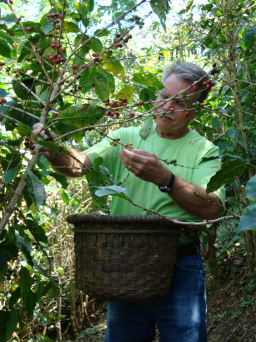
231	306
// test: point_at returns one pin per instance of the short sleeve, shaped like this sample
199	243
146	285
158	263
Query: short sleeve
105	149
207	167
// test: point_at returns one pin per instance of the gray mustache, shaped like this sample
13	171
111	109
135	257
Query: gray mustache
169	115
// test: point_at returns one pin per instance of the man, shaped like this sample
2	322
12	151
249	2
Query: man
174	189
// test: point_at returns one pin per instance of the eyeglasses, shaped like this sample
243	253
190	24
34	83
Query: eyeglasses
181	102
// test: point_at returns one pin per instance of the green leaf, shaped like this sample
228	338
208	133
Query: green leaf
4	258
82	9
5	49
113	190
24	130
147	79
146	128
101	82
69	26
248	221
206	159
7	37
25	247
227	174
250	189
85	81
79	59
3	92
8	19
90	5
20	90
36	230
82	115
27	51
65	197
10	174
30	302
127	92
54	146
116	68
96	45
60	178
9	321
99	177
37	188
25	282
148	94
161	8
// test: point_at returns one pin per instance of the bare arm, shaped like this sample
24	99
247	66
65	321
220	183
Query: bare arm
71	162
148	167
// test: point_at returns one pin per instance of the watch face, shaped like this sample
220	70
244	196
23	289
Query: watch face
164	188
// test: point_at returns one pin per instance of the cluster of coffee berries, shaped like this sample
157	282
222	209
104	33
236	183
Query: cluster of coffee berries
119	37
122	102
29	144
28	29
113	113
115	142
56	58
208	84
2	100
97	57
198	105
141	103
55	16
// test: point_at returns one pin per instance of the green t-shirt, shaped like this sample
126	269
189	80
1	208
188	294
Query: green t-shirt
188	152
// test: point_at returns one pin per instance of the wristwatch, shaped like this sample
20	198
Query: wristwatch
168	187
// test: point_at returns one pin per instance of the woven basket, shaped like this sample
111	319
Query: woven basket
124	258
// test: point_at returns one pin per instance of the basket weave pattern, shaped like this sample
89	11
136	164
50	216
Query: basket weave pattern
124	258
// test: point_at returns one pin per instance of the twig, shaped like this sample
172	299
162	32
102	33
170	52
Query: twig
21	110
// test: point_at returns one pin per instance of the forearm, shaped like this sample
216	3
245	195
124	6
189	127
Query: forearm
195	200
71	163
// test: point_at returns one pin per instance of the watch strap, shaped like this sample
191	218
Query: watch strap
168	187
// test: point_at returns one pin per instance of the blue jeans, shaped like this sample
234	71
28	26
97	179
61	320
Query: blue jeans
179	317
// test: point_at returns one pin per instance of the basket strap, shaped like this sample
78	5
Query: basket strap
125	231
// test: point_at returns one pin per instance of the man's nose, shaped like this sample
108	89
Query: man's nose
168	104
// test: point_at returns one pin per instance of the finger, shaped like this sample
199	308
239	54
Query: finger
144	153
124	158
38	128
133	158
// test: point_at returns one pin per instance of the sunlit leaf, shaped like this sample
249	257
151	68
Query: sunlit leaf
115	67
69	26
127	92
113	190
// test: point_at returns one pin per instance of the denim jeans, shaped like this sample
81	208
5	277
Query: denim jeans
179	317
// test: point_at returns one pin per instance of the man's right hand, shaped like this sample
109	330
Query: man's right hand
71	163
38	129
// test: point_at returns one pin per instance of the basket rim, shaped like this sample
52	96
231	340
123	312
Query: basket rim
78	219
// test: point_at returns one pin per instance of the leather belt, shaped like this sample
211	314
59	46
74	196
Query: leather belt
186	250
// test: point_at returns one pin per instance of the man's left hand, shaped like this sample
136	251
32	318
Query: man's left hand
145	165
